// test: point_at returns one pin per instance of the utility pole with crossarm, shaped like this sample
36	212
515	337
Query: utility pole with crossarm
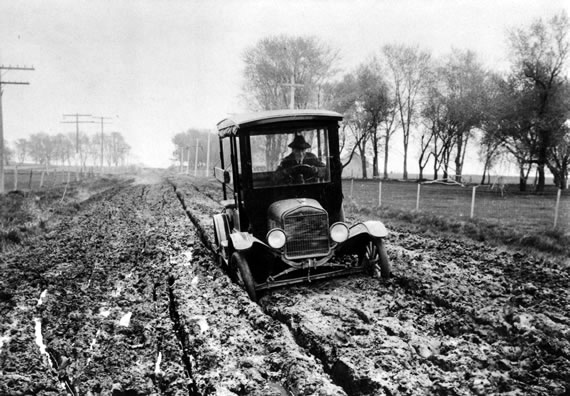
102	120
292	87
77	122
2	83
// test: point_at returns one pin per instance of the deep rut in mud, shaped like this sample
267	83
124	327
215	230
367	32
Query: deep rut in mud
103	277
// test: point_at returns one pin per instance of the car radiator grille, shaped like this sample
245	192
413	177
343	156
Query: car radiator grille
307	234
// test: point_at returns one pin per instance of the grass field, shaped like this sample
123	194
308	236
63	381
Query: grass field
31	179
526	211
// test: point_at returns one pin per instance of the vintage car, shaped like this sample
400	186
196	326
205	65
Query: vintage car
283	220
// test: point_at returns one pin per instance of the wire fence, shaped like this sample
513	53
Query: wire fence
500	204
33	178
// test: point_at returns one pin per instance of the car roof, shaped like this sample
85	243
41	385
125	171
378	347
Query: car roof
231	125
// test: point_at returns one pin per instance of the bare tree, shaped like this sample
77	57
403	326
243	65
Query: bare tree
8	153
388	126
341	96
432	113
374	100
274	63
84	144
539	56
466	100
22	146
41	148
492	140
62	148
408	66
559	163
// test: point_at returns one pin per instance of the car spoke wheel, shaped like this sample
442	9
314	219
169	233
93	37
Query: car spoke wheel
242	274
375	260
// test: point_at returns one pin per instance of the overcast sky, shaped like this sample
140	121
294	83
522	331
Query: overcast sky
161	67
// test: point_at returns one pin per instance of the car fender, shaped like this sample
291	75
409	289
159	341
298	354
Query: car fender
373	228
221	228
243	240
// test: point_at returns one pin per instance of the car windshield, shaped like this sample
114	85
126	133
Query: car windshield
292	157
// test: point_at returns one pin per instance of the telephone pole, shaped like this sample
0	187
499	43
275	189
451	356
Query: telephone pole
78	161
292	87
77	122
2	67
102	121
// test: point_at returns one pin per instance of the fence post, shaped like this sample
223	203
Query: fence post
30	182
351	187
15	178
418	197
379	194
473	202
42	178
54	178
208	157
557	207
66	185
188	162
195	159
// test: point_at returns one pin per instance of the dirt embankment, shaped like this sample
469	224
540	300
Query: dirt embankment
122	296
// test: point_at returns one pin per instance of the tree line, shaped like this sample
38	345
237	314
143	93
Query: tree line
436	105
70	149
191	148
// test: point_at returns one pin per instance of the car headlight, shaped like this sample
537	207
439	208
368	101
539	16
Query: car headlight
339	232
276	238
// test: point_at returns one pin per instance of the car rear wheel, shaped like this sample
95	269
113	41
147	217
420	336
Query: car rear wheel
242	274
375	260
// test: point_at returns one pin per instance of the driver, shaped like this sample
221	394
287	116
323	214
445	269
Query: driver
300	156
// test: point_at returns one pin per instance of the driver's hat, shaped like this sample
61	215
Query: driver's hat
299	143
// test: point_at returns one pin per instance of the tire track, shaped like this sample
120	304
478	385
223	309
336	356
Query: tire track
282	367
103	317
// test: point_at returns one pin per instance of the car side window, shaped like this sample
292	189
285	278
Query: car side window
226	147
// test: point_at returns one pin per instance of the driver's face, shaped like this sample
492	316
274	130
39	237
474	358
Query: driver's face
299	154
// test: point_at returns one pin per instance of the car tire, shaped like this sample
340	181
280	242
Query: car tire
242	274
375	260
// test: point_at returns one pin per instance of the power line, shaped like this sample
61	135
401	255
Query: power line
3	67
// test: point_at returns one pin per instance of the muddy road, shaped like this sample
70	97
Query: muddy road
122	296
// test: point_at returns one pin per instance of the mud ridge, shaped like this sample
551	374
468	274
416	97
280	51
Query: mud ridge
342	374
197	223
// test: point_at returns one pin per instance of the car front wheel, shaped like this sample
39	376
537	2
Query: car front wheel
375	260
242	274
